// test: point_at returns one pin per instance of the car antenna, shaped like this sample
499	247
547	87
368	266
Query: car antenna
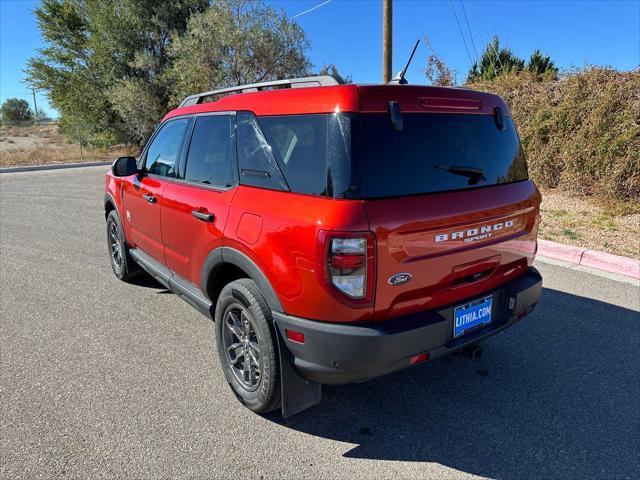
399	78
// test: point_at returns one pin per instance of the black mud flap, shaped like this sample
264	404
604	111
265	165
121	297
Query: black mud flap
297	393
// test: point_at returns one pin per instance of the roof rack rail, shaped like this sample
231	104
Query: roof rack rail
318	81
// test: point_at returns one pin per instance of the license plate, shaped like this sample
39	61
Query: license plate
471	315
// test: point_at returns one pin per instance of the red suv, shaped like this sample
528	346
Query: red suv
334	233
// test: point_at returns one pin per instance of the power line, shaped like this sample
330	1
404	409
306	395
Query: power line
483	36
311	9
473	43
461	34
489	44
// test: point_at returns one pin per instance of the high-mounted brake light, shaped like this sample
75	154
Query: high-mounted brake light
348	264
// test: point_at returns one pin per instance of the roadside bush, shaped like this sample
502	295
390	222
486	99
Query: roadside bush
16	110
582	132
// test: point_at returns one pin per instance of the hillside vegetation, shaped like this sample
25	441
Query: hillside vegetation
581	132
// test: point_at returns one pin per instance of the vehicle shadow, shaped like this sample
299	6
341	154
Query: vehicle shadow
554	396
147	281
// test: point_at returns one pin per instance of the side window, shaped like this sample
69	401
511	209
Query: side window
257	164
163	154
209	158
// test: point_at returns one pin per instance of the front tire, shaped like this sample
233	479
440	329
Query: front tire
246	342
122	264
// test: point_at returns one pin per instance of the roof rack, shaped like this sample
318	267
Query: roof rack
318	81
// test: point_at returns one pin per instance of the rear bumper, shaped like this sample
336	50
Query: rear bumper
336	354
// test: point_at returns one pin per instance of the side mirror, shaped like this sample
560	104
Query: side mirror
124	166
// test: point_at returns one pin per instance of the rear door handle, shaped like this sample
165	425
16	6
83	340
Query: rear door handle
204	216
150	198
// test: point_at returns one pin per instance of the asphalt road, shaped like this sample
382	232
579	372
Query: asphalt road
102	379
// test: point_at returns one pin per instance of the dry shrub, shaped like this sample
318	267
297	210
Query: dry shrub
45	144
582	132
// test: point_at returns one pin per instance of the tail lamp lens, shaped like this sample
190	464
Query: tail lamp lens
347	265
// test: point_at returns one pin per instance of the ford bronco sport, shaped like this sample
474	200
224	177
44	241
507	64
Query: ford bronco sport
335	233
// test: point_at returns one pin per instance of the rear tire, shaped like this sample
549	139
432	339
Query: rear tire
246	342
121	262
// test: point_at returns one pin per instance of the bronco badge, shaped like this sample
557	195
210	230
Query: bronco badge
399	278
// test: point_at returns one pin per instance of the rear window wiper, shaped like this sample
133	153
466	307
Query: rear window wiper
475	175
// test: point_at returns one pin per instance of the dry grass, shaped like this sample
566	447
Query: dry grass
580	221
45	145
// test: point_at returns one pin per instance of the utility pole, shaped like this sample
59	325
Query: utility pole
80	141
35	105
387	33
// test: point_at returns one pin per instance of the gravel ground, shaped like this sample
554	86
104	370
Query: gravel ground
580	221
102	379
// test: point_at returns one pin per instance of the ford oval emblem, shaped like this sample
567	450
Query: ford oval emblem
399	278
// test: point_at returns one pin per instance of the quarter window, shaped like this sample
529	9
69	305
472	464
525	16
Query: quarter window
209	158
258	166
164	152
313	151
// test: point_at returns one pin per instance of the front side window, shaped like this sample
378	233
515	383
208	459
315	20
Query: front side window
209	157
163	154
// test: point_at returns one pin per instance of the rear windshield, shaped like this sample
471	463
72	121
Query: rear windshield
364	156
436	153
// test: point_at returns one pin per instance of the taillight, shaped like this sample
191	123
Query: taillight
347	261
349	264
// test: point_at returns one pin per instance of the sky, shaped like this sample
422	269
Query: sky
348	33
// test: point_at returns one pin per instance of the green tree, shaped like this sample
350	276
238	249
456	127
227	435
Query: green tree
16	110
541	66
112	69
235	42
94	49
142	95
495	62
66	70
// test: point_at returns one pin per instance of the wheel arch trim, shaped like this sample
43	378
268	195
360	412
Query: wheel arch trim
108	199
224	255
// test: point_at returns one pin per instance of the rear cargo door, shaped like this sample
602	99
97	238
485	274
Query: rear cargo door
448	198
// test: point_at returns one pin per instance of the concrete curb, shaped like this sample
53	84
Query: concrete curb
57	166
628	267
